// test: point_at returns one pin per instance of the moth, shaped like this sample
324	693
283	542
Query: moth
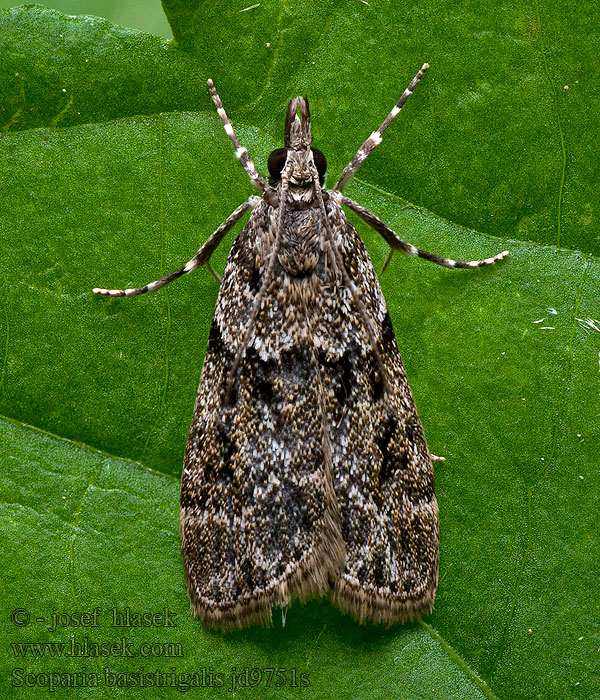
306	471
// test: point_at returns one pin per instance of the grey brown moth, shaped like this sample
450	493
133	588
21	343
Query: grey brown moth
306	471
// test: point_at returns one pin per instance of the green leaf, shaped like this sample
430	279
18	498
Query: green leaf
120	179
61	70
102	532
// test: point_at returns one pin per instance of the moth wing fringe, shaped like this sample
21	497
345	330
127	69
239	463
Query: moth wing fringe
312	578
377	608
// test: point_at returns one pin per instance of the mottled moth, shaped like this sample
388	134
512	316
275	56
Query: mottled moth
306	471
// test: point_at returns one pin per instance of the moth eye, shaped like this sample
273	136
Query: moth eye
276	162
320	161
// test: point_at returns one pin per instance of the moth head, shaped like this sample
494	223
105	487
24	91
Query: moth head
297	139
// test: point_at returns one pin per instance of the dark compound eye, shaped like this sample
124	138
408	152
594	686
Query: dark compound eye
320	163
276	162
278	157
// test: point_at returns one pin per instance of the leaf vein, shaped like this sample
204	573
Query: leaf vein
459	661
515	596
568	367
558	123
91	448
161	223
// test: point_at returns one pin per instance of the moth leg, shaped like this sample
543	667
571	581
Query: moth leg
214	273
241	153
375	138
202	257
396	243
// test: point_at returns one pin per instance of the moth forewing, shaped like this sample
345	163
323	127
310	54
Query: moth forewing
306	471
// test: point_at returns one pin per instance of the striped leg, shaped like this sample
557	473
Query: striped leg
375	138
396	243
241	153
202	257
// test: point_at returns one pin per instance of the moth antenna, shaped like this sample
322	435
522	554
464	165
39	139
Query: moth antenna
241	152
375	138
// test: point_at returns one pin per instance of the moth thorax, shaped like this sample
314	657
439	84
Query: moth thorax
299	251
